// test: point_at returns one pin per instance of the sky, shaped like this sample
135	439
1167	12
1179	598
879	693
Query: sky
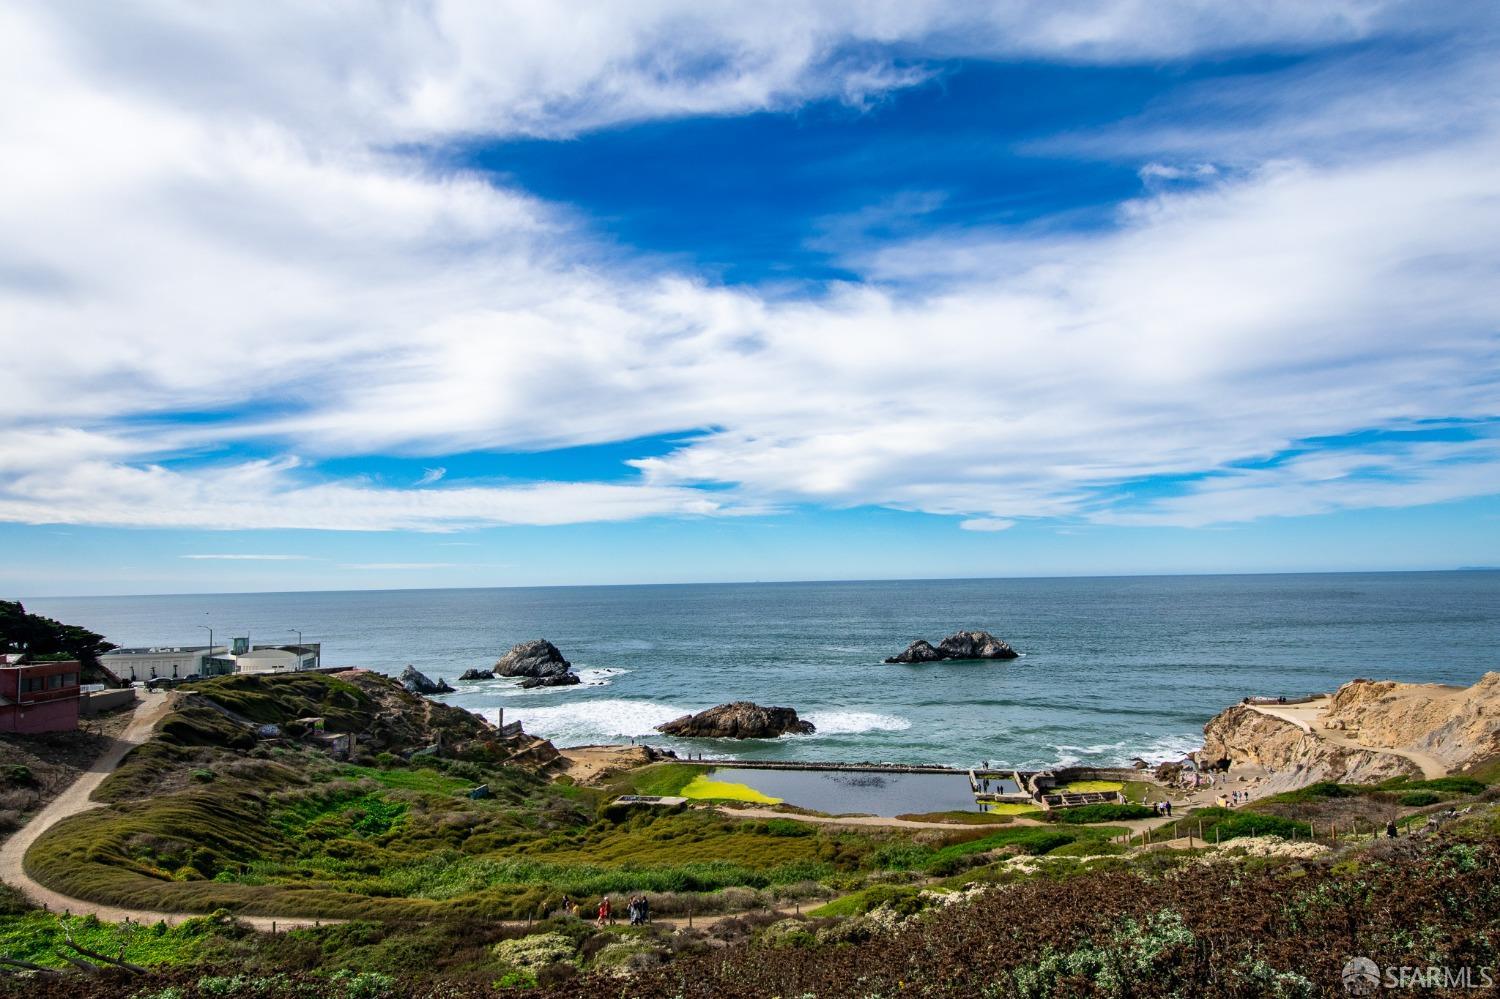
453	293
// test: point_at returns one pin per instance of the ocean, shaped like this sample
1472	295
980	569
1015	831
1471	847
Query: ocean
1112	668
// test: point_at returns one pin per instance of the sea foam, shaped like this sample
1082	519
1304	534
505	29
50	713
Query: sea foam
851	722
593	721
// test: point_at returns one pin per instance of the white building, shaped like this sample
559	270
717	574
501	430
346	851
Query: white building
182	662
271	658
171	662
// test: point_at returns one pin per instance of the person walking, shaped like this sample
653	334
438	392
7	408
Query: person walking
605	915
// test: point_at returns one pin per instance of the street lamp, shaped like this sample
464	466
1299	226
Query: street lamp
298	632
203	664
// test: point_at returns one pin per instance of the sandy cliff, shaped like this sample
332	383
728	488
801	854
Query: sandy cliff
1368	731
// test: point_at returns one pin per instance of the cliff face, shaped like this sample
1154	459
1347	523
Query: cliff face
1454	724
1298	758
1358	735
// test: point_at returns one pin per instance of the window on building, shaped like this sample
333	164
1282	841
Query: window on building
70	679
54	682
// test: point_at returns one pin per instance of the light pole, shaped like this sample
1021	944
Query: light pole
298	632
203	665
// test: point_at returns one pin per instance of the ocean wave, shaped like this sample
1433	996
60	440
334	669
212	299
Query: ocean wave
601	677
588	722
852	722
1122	753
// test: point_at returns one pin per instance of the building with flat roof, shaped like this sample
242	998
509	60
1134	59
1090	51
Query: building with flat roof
186	662
39	697
168	662
277	658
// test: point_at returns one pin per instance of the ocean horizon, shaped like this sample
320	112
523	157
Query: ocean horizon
1112	667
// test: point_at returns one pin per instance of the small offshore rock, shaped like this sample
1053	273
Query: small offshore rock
550	680
477	674
739	720
417	682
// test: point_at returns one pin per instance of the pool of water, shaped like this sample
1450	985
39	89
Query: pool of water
841	791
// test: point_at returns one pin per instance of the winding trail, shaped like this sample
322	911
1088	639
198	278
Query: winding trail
77	799
1308	717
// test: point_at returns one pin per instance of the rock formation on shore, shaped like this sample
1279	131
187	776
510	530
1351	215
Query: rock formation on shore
1366	732
959	645
740	720
417	682
539	662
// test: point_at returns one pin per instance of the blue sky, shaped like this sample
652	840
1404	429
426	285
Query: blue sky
472	294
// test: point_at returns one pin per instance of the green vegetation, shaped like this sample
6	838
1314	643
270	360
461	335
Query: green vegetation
42	639
1442	785
1106	811
1091	787
37	936
962	818
1218	825
661	779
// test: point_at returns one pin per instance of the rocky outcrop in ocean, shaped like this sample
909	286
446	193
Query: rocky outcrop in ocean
417	682
959	645
476	674
740	720
539	663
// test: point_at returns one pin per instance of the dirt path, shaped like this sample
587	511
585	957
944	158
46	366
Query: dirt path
1308	717
148	711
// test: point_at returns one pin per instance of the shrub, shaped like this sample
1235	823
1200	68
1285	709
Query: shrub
16	774
536	951
1102	812
1419	799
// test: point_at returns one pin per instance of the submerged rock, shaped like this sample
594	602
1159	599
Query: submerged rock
477	674
540	662
418	682
959	645
550	680
740	720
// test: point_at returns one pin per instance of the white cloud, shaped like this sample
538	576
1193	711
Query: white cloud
187	223
986	524
398	566
250	558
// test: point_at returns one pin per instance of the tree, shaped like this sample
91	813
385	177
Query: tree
34	637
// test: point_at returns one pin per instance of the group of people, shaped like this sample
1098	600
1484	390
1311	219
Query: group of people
638	909
1163	808
1232	799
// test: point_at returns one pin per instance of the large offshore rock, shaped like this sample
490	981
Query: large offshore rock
975	645
540	662
740	720
959	645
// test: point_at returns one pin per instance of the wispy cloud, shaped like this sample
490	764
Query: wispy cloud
986	524
431	475
399	566
251	558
